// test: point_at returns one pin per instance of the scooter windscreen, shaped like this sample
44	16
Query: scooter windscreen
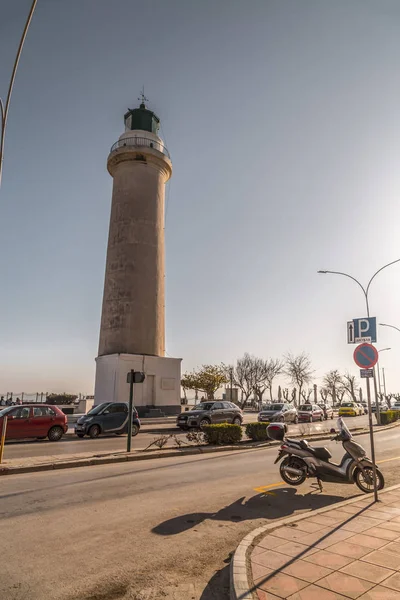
344	431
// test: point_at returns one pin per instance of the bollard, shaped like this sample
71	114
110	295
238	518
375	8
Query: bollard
3	437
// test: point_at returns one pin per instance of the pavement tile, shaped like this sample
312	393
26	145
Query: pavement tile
270	542
351	509
396	519
382	533
308	526
370	572
313	592
392	510
356	526
378	514
288	533
283	585
307	571
334	538
338	515
295	549
390	525
365	540
270	559
380	593
258	572
257	550
393	547
345	584
265	595
393	582
349	549
328	559
324	520
315	538
383	559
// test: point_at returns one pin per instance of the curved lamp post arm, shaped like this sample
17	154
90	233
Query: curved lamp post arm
365	291
392	326
4	111
379	270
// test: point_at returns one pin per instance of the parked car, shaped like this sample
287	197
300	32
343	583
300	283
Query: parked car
34	421
108	417
211	412
364	406
328	411
382	406
280	413
349	409
310	413
396	405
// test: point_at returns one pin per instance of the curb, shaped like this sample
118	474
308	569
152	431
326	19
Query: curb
241	583
120	457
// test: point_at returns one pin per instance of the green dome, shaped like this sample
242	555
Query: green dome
141	118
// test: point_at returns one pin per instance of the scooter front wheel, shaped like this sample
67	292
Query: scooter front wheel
364	479
290	476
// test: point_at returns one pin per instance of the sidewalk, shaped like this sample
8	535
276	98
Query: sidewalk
350	551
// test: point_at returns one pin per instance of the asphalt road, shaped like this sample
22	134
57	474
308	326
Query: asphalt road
149	530
71	444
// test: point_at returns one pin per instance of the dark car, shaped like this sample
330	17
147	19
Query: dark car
212	412
34	421
109	417
328	411
278	413
310	413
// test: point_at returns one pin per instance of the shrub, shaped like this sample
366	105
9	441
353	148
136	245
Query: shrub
222	434
257	431
389	416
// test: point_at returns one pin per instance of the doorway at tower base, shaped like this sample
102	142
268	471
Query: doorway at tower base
160	393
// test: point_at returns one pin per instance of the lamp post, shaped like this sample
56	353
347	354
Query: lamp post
392	326
365	291
5	108
379	377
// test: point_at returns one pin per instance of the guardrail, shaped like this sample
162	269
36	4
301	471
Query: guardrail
140	142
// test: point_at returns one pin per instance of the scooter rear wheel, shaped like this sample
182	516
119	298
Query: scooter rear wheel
365	479
292	478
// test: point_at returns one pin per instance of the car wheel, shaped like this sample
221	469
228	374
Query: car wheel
237	421
80	435
296	420
204	422
310	419
321	418
94	431
135	429
55	434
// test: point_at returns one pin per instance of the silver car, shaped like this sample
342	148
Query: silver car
279	412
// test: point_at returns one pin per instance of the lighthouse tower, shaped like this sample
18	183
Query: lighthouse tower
132	333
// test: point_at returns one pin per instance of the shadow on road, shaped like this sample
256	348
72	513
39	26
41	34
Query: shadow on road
218	586
280	503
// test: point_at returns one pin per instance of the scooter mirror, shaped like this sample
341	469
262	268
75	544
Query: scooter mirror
333	430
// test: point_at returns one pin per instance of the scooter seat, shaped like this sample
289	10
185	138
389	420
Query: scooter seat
321	452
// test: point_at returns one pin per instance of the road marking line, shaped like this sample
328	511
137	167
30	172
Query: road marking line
264	489
388	459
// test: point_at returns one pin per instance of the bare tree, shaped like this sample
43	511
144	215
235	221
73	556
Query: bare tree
298	369
243	376
339	394
324	394
274	367
349	383
332	383
285	394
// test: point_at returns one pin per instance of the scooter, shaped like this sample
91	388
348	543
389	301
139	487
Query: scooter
303	460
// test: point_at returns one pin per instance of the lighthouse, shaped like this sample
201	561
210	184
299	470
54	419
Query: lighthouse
132	331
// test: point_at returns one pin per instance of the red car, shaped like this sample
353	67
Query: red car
34	421
310	413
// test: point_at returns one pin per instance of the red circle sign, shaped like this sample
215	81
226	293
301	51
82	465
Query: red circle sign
365	356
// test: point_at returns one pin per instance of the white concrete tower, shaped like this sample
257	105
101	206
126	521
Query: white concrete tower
132	333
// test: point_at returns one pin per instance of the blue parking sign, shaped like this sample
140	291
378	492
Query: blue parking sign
361	330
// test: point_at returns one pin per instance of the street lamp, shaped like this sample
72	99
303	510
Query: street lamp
4	108
392	326
379	376
365	290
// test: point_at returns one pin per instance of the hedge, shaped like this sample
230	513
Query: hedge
389	416
257	431
222	434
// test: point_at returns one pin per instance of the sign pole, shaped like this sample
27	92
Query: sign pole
130	412
371	436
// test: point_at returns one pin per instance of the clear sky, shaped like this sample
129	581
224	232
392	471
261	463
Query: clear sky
282	118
